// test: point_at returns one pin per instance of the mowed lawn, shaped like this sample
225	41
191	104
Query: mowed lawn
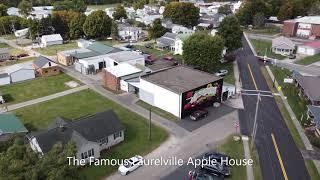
309	60
13	51
264	48
88	102
31	89
235	150
52	50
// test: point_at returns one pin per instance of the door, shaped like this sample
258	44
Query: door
225	95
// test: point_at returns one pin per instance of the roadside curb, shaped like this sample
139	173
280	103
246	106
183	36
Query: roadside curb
247	155
296	123
250	45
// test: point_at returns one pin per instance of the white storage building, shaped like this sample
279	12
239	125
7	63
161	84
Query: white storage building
4	79
309	48
53	39
18	73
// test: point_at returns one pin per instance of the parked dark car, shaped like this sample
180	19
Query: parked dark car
22	55
217	169
292	56
129	46
199	114
215	155
201	175
148	46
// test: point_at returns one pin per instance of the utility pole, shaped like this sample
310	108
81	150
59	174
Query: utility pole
255	125
150	124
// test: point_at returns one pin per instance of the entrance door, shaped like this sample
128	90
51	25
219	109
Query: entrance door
225	96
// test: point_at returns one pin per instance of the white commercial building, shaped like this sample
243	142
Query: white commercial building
309	48
53	39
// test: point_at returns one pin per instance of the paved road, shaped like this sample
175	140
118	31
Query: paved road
270	122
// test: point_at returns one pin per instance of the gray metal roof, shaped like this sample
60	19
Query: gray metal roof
41	61
2	75
310	85
283	43
4	50
123	56
180	79
315	110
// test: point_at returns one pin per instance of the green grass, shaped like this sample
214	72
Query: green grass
31	89
264	47
313	172
309	60
235	150
52	50
229	78
13	51
269	30
88	102
102	6
158	111
256	166
12	62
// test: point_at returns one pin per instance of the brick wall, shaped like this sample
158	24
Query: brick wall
110	81
315	30
289	29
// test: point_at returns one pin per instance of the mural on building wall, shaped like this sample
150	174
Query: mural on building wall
203	96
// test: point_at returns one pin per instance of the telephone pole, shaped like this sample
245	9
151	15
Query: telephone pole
150	124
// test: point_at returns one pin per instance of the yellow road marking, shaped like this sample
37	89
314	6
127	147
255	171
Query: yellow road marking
279	157
254	81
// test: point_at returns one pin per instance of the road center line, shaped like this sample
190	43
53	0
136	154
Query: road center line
254	81
279	157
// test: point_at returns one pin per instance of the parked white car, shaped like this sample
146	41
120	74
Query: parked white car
221	72
129	165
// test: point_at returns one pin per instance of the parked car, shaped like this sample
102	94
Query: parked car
148	46
129	165
221	72
215	155
199	114
168	58
292	56
138	51
200	175
129	46
217	169
22	55
150	59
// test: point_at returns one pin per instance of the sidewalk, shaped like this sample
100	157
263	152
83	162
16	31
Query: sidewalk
46	98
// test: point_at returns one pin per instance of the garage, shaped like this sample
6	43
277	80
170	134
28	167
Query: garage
180	90
309	48
18	73
4	79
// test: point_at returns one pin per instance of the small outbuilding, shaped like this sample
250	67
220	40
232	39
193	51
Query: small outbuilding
282	45
18	73
53	39
45	67
4	54
309	48
4	79
9	125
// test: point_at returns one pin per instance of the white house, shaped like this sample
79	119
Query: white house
4	79
178	29
178	44
309	48
127	32
18	73
39	12
53	39
4	54
148	19
282	45
110	11
21	32
82	43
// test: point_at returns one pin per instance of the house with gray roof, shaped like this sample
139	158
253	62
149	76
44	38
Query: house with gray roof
166	41
4	54
45	67
282	45
309	87
91	134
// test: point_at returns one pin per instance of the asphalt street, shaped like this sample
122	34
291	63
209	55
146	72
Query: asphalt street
279	156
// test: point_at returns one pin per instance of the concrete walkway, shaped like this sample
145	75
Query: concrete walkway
247	155
46	98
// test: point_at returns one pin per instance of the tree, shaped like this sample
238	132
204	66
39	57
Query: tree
203	51
139	4
258	20
231	32
185	14
97	25
3	10
225	9
315	9
61	22
25	7
156	30
70	5
120	13
114	30
249	9
286	10
75	26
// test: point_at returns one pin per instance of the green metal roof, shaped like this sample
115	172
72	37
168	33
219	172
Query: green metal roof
85	55
9	123
100	48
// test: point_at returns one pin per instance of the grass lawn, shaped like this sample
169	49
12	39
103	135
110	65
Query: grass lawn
87	102
31	89
293	131
269	30
229	78
102	6
52	50
158	111
256	166
262	46
235	150
13	51
309	60
12	62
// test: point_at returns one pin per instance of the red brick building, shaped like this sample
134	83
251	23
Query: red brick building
304	27
45	67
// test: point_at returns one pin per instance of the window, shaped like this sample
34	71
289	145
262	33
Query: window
103	141
55	70
85	155
116	135
49	64
46	71
89	152
92	152
115	63
82	156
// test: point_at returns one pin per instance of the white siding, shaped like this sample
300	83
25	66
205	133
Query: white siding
86	147
178	47
22	74
4	80
162	98
307	50
34	145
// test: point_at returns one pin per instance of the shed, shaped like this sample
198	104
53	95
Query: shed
10	124
18	73
4	79
53	39
309	48
4	54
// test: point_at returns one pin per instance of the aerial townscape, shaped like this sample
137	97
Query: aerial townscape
160	89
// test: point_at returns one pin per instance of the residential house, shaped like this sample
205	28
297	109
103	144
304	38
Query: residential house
213	20
282	45
309	87
178	44
314	116
9	125
18	73
148	18
110	11
180	90
129	33
4	79
167	41
304	27
114	77
45	67
91	134
178	29
40	12
49	40
4	54
167	23
21	33
309	48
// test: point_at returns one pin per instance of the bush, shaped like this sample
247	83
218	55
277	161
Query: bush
315	141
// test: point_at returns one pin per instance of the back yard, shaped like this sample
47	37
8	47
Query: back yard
52	50
88	102
13	51
309	60
264	48
31	89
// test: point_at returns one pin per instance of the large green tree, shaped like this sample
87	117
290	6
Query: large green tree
76	26
61	22
97	25
286	10
185	14
25	7
3	10
249	9
225	9
315	9
70	5
203	51
156	30
114	30
120	13
231	32
258	20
